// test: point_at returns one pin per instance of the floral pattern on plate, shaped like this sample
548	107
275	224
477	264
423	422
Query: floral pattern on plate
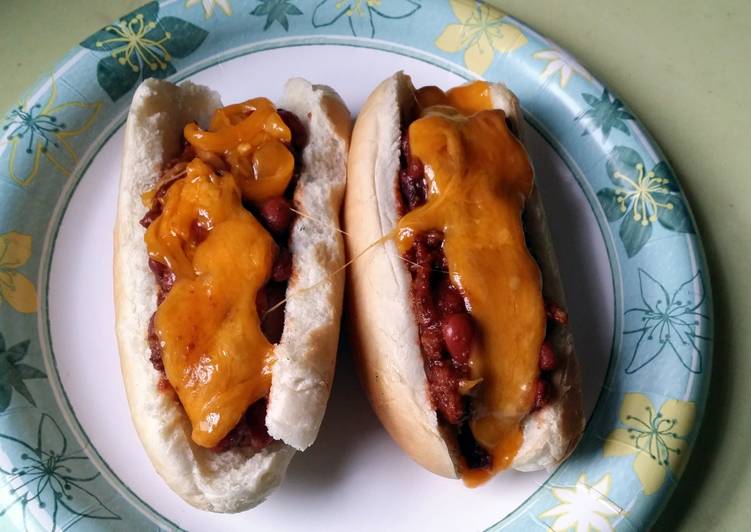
667	323
141	45
37	131
362	15
665	327
481	32
584	507
641	198
47	476
657	438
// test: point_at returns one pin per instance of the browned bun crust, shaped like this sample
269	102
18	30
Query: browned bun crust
383	325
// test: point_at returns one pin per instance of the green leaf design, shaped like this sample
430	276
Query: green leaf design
674	215
5	394
16	381
29	372
139	46
18	351
623	161
13	374
604	114
634	234
590	99
276	11
642	197
100	42
662	170
609	202
114	79
184	37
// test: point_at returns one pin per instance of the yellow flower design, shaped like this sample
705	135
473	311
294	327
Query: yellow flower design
657	438
480	34
36	131
559	61
16	288
584	507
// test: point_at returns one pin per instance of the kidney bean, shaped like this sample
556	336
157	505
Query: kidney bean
198	232
276	214
457	334
548	361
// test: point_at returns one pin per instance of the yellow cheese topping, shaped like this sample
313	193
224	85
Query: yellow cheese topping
478	179
214	352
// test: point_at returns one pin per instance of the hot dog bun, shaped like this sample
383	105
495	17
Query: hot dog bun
385	331
238	479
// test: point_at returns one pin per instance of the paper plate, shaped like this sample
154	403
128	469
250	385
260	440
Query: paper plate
631	259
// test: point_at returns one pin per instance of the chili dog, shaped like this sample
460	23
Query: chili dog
224	213
458	318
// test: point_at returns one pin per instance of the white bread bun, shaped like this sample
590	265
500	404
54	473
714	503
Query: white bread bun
238	479
385	332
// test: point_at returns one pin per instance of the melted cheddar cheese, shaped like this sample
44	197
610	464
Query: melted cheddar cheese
478	178
215	354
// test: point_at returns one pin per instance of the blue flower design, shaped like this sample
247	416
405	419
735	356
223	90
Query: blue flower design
49	477
360	14
45	130
668	323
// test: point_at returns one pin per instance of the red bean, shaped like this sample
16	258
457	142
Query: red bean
457	334
542	393
282	269
198	232
277	214
450	300
548	361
